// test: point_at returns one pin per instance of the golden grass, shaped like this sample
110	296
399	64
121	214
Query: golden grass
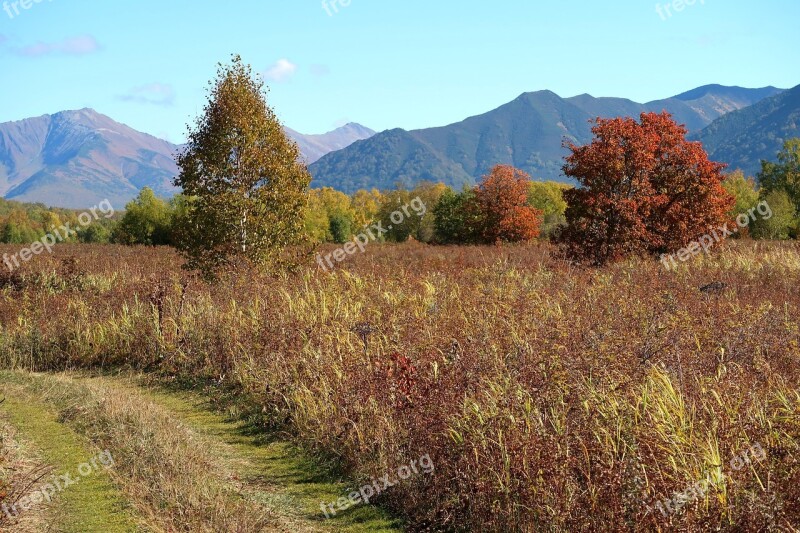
550	398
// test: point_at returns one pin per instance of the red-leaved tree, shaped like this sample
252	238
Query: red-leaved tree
644	189
501	204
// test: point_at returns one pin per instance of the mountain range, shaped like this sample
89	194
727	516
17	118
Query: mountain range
744	138
78	158
313	147
527	133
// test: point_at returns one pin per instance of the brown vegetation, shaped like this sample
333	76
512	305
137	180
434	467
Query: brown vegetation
549	398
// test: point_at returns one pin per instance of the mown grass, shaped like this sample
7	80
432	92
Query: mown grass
93	503
550	398
174	481
273	471
21	467
186	466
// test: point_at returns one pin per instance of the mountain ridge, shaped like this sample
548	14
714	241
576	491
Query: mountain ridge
77	158
745	137
526	132
314	146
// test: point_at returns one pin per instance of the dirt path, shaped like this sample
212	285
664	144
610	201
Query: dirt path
251	472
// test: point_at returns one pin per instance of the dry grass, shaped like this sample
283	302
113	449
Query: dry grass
176	483
20	470
549	398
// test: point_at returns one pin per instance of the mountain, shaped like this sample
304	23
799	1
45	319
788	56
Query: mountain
314	147
527	133
743	138
696	108
79	158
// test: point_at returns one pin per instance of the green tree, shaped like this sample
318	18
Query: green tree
454	218
785	174
96	233
147	220
548	197
411	211
393	201
745	193
245	179
424	228
341	228
783	221
329	216
340	214
19	229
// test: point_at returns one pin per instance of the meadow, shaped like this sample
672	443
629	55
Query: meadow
548	397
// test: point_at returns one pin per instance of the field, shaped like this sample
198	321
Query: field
547	397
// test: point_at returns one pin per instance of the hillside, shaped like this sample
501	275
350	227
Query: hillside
314	147
745	137
78	158
527	133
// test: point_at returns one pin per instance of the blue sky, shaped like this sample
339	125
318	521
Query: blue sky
383	63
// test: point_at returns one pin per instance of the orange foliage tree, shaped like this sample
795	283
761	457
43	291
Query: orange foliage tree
501	202
644	189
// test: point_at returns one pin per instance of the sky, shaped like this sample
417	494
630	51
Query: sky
381	63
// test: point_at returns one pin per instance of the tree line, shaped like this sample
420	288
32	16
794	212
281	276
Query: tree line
453	216
506	206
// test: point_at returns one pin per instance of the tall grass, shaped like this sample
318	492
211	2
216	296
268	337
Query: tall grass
549	398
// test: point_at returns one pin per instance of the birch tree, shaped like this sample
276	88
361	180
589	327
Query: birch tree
244	182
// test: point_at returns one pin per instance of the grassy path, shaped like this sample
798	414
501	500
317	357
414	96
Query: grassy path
184	465
273	472
92	502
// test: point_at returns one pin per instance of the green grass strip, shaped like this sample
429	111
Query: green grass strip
275	472
92	503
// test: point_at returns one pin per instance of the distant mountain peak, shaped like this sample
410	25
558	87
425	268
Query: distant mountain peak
527	132
78	115
729	90
77	158
314	147
544	93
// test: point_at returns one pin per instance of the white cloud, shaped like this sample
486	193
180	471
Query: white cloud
281	71
76	46
152	93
